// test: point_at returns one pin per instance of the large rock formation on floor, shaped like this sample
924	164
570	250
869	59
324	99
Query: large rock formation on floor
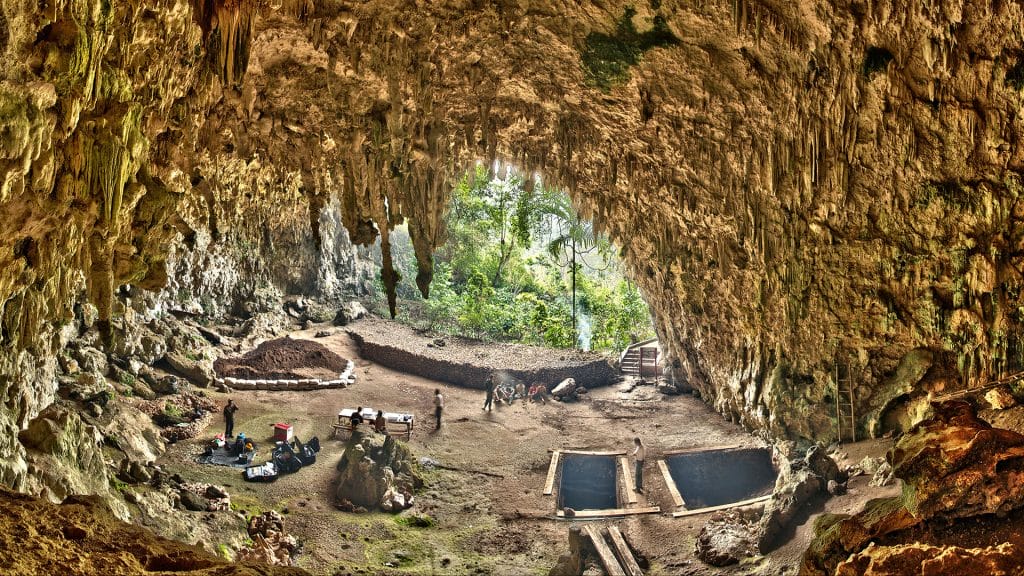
80	536
959	512
801	481
376	471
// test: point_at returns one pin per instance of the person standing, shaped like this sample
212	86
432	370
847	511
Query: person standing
639	454
438	406
489	398
229	419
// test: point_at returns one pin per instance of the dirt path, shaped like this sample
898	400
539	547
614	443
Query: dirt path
484	524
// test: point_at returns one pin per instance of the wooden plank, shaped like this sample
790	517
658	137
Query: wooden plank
611	565
627	480
549	484
590	452
677	498
611	512
721	507
625	554
700	449
575	549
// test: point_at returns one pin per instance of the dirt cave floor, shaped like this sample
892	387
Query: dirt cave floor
497	523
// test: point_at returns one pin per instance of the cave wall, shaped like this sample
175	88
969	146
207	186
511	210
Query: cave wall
118	170
798	188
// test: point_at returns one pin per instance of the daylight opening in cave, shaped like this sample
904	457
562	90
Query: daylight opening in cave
588	482
520	265
714	477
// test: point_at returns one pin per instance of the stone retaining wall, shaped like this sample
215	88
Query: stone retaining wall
590	374
343	380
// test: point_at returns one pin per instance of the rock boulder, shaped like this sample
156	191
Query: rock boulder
956	465
953	466
377	471
349	312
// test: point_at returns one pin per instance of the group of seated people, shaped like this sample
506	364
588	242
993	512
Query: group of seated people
506	394
380	424
538	393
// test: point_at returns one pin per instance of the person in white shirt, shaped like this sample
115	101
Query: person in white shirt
639	453
438	406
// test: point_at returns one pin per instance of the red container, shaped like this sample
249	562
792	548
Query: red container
282	432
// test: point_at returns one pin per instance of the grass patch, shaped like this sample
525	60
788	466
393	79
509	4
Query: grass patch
118	485
251	505
415	520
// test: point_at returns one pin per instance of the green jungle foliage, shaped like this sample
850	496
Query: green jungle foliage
509	267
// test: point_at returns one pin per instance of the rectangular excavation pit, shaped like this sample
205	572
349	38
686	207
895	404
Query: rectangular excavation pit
718	477
588	482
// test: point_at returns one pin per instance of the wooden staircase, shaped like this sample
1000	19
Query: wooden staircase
641	360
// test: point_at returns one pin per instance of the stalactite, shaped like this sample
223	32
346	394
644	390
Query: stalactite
227	27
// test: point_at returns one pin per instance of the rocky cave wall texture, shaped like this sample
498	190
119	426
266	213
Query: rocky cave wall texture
803	190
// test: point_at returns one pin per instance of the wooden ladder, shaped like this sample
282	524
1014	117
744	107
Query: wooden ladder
846	414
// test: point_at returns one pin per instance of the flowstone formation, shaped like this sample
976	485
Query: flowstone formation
959	513
806	193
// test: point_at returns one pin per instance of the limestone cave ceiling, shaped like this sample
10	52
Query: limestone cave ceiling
803	190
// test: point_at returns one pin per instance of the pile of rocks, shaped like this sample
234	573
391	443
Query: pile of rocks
203	497
180	416
270	544
727	537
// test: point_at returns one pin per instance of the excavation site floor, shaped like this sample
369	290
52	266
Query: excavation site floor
490	514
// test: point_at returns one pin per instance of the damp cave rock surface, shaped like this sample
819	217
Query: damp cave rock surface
805	192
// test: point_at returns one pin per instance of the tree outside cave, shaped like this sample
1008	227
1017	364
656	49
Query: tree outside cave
520	265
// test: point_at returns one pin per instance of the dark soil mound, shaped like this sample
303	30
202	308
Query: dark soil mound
283	359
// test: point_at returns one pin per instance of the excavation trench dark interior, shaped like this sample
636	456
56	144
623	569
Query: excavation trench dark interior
588	482
716	477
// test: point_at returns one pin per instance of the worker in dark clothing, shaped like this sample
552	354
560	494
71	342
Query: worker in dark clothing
438	407
229	419
489	398
357	418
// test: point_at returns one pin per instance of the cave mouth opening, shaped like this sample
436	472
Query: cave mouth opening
588	482
721	476
520	264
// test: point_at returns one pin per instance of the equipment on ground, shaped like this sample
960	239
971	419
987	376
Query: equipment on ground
285	459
